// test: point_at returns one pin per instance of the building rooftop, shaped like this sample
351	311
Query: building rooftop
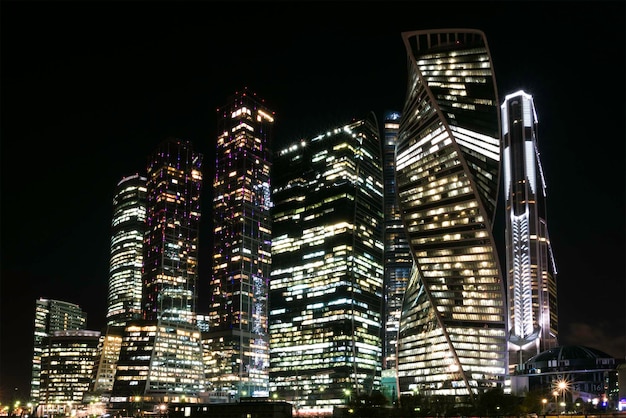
569	352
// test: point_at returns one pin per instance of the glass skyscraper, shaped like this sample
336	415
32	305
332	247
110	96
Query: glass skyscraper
160	357
237	340
51	316
171	243
398	260
453	327
531	271
327	268
128	226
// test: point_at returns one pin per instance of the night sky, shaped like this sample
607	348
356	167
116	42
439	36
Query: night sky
90	88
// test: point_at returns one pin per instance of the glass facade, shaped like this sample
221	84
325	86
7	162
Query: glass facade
160	356
452	338
237	339
109	352
398	259
50	316
171	242
531	271
68	365
128	226
159	362
326	289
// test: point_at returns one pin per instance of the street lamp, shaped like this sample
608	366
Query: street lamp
347	393
562	386
556	401
544	401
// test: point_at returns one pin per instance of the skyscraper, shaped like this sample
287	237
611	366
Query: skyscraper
398	261
160	356
327	268
237	337
171	243
453	325
531	271
50	316
128	226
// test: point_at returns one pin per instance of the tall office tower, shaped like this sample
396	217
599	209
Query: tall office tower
398	261
453	326
327	268
161	356
171	241
531	271
67	370
128	226
242	248
50	316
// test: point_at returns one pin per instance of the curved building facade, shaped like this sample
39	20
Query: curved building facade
128	227
452	335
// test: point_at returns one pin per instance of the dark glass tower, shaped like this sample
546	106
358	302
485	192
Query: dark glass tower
453	326
531	271
171	243
398	259
128	226
237	339
327	268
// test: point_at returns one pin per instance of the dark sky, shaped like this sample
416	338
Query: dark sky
90	88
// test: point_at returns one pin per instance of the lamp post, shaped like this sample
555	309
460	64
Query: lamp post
347	393
544	401
562	387
556	401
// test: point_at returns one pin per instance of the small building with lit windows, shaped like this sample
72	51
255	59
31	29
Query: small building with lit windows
571	378
68	363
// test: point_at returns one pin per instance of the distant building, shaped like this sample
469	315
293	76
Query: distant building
68	364
237	342
452	338
531	271
571	378
51	316
128	226
326	290
398	260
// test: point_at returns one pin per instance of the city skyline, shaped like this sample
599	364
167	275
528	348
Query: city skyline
102	99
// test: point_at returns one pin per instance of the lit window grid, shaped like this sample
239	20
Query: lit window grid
242	249
171	245
301	344
50	316
68	367
447	180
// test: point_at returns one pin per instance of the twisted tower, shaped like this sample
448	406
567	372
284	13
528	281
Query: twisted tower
452	337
